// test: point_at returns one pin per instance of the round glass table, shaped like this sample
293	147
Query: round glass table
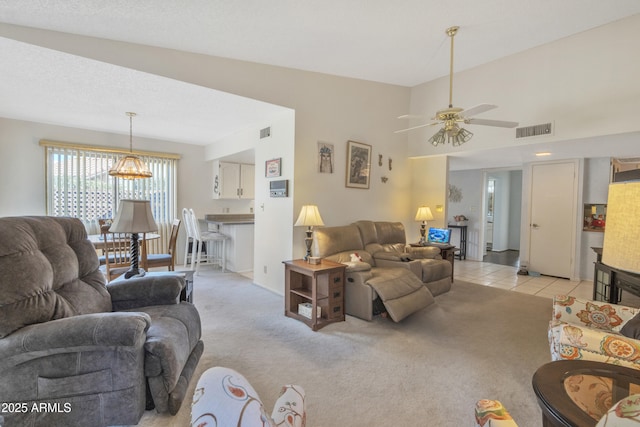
580	392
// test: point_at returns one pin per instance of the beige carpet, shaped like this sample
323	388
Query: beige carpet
429	370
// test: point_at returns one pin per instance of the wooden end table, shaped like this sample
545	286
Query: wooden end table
321	285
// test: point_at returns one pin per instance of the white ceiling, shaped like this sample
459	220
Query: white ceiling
400	43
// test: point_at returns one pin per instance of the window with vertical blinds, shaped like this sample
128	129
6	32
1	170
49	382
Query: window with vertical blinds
79	185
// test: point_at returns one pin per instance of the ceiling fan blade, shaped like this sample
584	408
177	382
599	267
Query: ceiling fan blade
416	127
497	123
478	109
411	116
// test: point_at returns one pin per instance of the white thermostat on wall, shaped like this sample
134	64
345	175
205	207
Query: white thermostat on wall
279	188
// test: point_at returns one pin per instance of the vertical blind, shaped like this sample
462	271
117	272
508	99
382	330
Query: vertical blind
79	185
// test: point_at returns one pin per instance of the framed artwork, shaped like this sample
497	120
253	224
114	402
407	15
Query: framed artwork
358	164
325	157
272	168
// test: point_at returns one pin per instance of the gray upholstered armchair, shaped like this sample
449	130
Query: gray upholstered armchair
63	346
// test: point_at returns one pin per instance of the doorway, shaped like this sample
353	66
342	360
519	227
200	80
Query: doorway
502	217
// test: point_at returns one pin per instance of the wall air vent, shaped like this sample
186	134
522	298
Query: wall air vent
535	130
265	133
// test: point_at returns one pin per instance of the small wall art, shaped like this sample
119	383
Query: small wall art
325	157
358	164
272	168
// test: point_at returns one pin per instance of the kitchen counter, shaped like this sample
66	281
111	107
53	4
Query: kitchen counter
228	219
239	247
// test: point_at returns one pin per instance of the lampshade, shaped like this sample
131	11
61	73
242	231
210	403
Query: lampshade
134	216
130	166
424	214
622	229
310	216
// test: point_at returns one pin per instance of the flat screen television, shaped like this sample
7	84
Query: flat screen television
438	235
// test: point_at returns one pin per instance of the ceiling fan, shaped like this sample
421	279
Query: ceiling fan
451	132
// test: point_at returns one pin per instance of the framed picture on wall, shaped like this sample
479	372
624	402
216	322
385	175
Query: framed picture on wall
358	164
325	157
272	168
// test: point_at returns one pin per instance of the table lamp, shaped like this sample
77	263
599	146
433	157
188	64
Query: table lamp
134	216
424	214
622	228
309	216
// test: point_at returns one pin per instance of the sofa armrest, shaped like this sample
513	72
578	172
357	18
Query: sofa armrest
591	314
358	295
87	332
570	341
424	252
145	291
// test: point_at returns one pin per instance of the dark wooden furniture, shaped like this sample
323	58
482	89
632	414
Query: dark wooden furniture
609	282
558	408
447	251
462	253
320	285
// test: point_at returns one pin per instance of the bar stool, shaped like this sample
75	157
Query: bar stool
188	228
216	245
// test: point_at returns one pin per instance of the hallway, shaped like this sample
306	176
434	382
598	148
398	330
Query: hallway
508	257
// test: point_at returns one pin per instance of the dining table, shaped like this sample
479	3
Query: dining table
97	240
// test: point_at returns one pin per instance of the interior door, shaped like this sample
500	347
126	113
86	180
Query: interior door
552	220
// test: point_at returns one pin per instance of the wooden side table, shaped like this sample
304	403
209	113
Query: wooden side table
320	285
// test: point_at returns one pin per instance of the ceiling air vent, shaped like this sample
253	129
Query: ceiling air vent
265	133
535	130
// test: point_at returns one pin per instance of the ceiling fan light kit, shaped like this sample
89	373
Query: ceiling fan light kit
449	117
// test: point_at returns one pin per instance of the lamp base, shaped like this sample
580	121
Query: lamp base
138	272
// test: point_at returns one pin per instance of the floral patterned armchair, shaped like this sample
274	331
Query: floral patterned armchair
590	330
624	413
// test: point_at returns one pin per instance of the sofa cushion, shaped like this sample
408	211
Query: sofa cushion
56	267
382	236
332	240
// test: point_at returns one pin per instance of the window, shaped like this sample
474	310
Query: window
79	185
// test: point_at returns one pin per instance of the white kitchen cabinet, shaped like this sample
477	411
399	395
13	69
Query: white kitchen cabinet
233	180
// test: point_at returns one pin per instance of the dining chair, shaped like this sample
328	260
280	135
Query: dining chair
116	253
216	245
101	223
168	259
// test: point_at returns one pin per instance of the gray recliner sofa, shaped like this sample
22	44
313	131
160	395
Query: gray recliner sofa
386	272
86	352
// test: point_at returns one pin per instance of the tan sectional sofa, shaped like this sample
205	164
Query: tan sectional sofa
403	278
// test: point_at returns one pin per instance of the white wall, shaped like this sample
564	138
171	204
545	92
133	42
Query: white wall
273	215
515	210
470	183
327	108
586	84
22	160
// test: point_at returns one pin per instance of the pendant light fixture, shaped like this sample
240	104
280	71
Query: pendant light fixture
130	166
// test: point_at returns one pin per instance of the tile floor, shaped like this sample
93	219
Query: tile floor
506	277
